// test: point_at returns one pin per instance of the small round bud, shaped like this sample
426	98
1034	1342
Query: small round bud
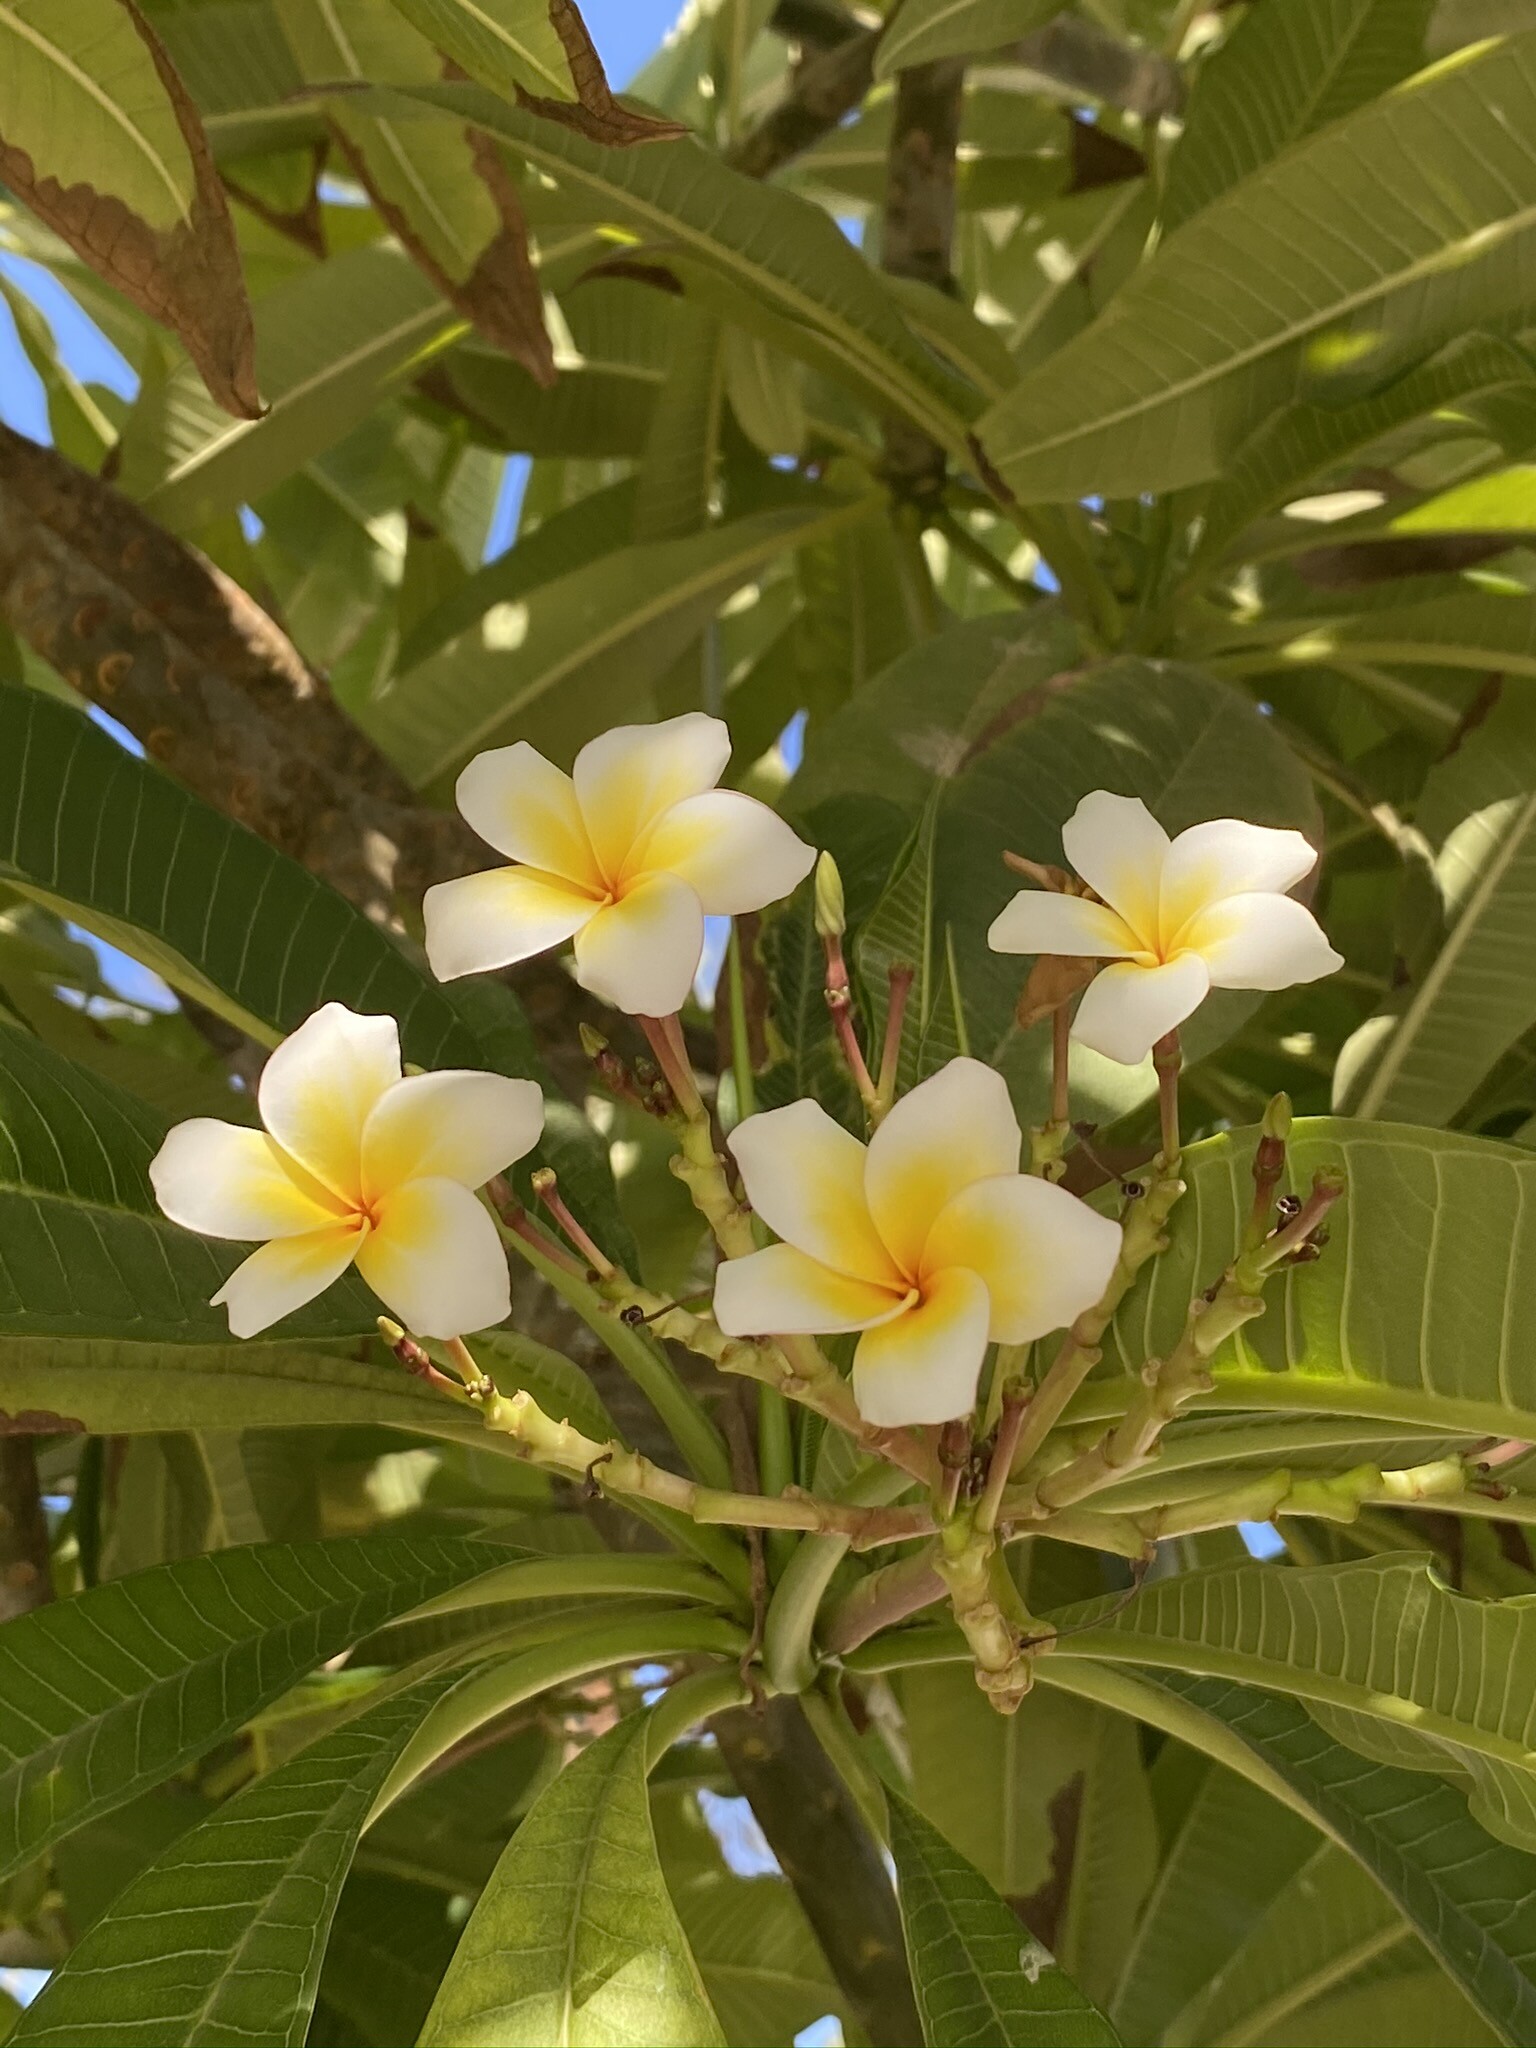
542	1180
831	914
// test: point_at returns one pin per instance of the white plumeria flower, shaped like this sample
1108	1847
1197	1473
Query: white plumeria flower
928	1239
626	855
1179	917
356	1165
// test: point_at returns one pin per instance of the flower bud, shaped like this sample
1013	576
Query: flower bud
1277	1117
831	916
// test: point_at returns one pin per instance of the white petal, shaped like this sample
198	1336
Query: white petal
924	1366
1044	1255
492	919
224	1181
1118	848
1261	942
641	953
1226	857
626	778
285	1274
781	1292
804	1175
953	1128
449	1126
436	1260
737	853
1038	921
526	808
1126	1008
316	1090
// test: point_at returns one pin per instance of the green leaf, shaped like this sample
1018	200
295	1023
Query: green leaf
1412	1315
1420	1060
222	1938
1285	72
331	341
1434	206
390	1944
1334	1637
995	725
981	1980
921	30
1114	1859
574	1938
84	1250
503	43
108	1693
1471	1899
772	247
581	651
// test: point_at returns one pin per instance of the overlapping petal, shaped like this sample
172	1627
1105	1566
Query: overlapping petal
449	1126
641	953
224	1181
924	1365
1038	921
1261	941
504	915
526	808
436	1260
737	853
285	1274
804	1175
318	1087
1228	857
1126	1008
1044	1255
626	778
782	1292
959	1126
1118	848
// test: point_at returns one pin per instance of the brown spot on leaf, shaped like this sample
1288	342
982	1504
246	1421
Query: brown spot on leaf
40	1422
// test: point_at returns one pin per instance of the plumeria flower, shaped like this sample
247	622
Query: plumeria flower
929	1240
356	1165
627	855
1177	918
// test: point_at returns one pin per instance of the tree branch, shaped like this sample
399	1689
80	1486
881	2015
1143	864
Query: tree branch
826	87
917	231
26	1565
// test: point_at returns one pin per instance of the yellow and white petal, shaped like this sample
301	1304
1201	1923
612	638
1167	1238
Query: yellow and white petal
804	1175
449	1126
526	808
1038	921
1118	848
436	1260
285	1274
1044	1255
316	1090
1261	942
225	1181
1126	1008
953	1128
641	953
781	1292
626	778
737	853
924	1366
493	919
1227	857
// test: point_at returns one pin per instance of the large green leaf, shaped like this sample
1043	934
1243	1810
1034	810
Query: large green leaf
331	341
1285	72
981	1981
769	245
1384	235
84	1250
1471	1899
994	732
582	651
574	1938
108	1693
504	43
221	1939
921	30
1380	1649
1420	1059
1413	1315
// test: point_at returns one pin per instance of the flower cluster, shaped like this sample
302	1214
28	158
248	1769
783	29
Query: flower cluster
929	1241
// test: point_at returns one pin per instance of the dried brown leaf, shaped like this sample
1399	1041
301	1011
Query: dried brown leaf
595	112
